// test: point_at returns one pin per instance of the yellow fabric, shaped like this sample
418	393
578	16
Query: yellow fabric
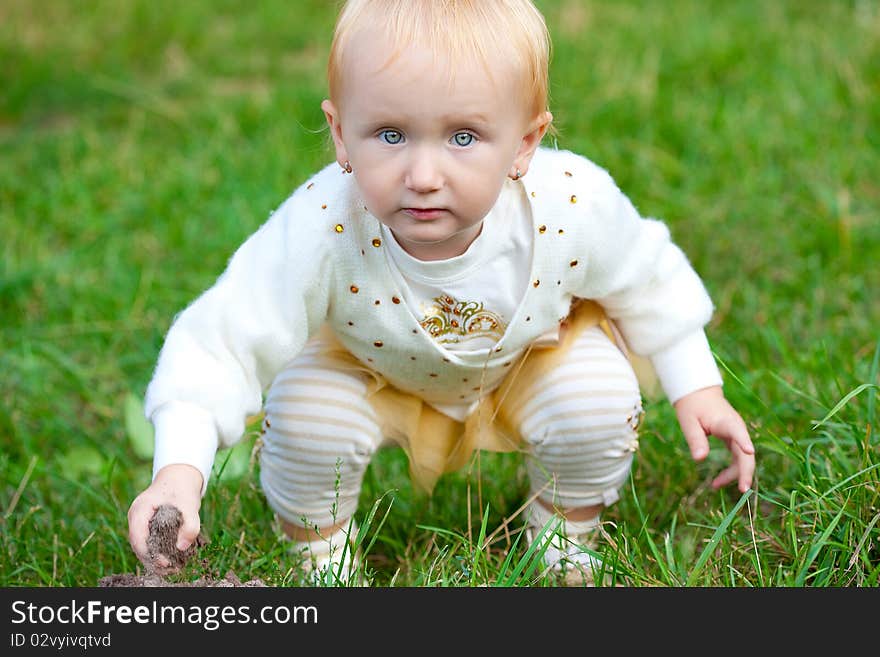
436	443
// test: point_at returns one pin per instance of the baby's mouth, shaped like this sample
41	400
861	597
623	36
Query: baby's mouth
424	213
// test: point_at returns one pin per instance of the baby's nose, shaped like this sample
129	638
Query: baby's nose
423	174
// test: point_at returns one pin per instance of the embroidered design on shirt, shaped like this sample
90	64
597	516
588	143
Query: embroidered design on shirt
448	321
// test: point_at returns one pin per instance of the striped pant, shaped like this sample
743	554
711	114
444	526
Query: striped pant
578	429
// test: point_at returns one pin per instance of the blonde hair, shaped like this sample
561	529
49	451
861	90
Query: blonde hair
512	31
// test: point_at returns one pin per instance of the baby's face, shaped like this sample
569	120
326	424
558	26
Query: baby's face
430	151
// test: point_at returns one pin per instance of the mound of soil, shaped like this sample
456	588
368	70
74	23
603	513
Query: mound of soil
162	540
131	580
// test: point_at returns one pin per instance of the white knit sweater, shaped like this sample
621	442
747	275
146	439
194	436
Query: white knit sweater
320	258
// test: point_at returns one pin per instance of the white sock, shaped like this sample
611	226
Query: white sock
567	539
331	552
539	515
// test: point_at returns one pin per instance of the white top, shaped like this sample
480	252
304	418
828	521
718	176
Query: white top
465	303
323	258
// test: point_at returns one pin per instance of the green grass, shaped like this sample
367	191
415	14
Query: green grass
141	142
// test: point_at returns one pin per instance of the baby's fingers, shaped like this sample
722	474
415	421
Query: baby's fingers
695	437
161	564
741	470
746	470
735	429
728	475
189	530
139	515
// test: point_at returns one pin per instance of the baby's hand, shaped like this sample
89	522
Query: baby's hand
177	485
707	412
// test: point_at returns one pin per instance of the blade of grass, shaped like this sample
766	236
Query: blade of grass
534	554
21	486
652	546
801	576
668	542
872	376
852	393
716	538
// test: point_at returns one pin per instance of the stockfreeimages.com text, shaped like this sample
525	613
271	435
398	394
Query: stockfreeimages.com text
211	617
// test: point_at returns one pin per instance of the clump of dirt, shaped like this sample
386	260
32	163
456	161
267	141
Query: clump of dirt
162	541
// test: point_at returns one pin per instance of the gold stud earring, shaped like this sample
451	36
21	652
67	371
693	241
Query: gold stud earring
346	168
517	175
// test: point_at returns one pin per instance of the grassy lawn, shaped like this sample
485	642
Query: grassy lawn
141	142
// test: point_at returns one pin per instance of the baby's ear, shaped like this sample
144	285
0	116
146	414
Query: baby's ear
536	130
335	124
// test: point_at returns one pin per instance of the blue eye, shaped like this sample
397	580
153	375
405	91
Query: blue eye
463	139
391	136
